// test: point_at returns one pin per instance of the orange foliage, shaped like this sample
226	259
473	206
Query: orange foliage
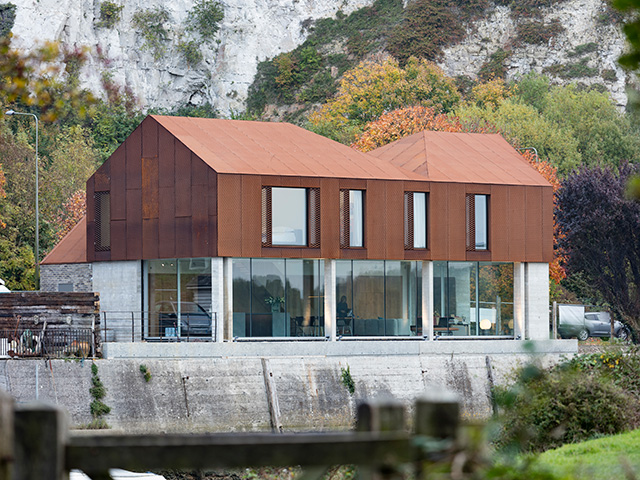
72	212
401	123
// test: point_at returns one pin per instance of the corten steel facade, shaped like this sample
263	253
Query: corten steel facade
166	202
200	190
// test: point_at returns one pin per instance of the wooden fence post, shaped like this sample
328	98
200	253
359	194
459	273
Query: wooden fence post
380	415
437	417
40	440
6	435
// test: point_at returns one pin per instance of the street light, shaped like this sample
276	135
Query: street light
12	112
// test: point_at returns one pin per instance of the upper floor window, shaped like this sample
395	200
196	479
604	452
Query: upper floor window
477	207
102	235
351	218
290	216
415	220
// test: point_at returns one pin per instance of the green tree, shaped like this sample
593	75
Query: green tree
373	88
525	127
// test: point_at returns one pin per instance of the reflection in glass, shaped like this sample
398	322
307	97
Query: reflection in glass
356	222
419	220
377	298
179	298
472	298
288	216
278	297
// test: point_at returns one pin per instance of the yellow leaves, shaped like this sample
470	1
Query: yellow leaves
373	88
490	94
33	78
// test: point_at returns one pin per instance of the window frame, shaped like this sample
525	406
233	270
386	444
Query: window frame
410	221
312	217
345	219
471	211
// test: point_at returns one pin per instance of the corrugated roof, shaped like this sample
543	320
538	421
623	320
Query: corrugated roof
461	158
271	148
72	248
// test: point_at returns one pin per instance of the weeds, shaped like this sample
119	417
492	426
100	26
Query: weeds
98	407
347	381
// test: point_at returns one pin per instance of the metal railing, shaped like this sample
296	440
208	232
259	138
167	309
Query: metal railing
129	326
52	343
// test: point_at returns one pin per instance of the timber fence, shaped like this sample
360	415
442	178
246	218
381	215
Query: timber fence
36	444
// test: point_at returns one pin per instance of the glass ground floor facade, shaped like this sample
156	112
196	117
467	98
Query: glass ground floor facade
282	298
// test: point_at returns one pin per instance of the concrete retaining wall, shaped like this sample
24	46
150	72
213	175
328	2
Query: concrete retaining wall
229	393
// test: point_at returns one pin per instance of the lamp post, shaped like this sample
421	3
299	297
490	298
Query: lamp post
12	112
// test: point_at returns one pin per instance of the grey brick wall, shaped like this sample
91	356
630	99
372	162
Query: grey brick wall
79	276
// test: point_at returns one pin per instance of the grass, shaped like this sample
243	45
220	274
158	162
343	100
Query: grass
599	459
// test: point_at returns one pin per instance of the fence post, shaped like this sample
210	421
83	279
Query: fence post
437	417
6	435
380	415
40	438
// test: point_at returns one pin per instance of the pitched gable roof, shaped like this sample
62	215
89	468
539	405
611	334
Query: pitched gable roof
461	158
272	148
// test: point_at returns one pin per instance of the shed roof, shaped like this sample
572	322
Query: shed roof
461	158
72	248
274	148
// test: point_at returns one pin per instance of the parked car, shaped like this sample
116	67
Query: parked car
594	324
195	321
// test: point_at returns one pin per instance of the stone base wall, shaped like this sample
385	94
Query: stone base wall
79	276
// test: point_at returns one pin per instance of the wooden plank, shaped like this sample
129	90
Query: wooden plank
140	453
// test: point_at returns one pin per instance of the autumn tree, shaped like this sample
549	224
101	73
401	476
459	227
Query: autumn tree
373	88
72	212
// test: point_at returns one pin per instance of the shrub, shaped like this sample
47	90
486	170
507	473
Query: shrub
572	70
97	406
7	18
190	51
583	49
569	403
109	14
428	26
150	24
494	67
205	17
538	33
609	75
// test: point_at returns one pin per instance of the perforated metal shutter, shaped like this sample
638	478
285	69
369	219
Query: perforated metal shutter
344	219
102	235
470	208
266	216
314	217
408	220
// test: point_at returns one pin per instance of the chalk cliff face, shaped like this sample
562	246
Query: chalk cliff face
254	30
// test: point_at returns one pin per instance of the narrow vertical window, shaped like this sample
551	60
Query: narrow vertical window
351	218
102	235
314	217
415	220
477	222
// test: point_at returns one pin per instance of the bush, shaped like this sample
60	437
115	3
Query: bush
569	403
583	49
150	24
494	67
190	51
538	33
205	17
7	18
109	14
572	70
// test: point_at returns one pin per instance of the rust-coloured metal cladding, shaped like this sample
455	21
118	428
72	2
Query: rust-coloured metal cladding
462	157
73	249
191	187
267	148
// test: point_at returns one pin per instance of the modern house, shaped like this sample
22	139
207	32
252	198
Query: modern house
223	230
